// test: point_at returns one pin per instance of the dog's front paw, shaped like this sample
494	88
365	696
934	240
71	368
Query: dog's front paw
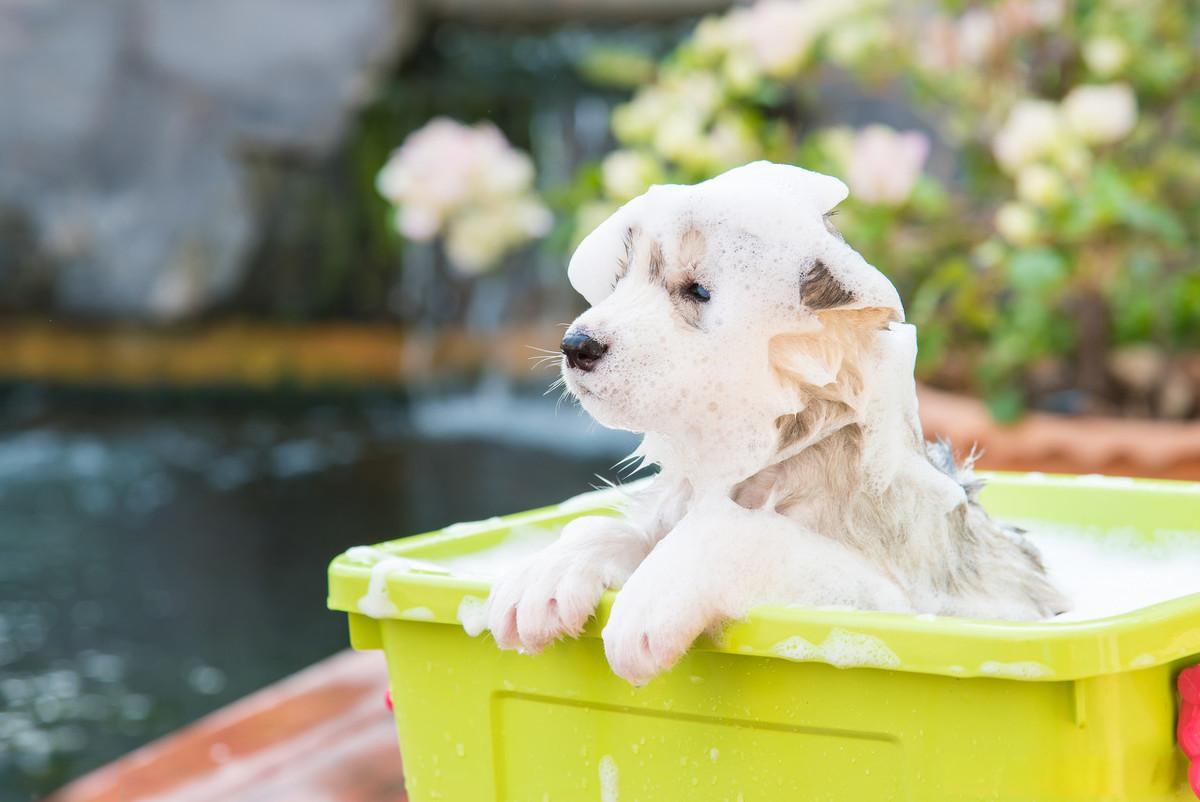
649	631
556	592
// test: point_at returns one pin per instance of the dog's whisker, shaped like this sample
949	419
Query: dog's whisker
543	361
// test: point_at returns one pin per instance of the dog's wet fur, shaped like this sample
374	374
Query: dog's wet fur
770	370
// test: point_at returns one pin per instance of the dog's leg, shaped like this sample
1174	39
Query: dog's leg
718	562
555	592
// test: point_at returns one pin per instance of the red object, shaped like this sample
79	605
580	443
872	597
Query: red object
1187	732
387	699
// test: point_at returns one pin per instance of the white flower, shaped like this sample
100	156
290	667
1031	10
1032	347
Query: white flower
479	237
976	35
468	183
635	122
627	173
741	72
1040	185
858	40
418	223
1032	131
731	143
698	92
588	217
1105	55
838	144
779	34
1017	223
712	37
1101	113
1074	159
884	165
474	243
680	136
1047	13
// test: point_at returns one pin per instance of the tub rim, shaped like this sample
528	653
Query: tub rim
956	647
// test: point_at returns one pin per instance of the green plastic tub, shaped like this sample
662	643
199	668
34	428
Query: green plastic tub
948	709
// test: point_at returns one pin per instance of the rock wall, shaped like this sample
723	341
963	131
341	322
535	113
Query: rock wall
151	151
129	129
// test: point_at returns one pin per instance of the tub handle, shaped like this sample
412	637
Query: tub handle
1187	732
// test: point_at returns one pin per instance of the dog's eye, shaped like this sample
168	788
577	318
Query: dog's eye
699	292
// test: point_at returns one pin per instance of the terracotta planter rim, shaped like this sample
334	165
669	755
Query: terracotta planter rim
1091	442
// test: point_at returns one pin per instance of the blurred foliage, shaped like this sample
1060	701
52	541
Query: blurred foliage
1053	259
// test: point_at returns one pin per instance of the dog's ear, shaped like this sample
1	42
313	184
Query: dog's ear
597	262
834	353
841	310
595	265
839	279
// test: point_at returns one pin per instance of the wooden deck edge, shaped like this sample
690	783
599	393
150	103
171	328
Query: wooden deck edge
323	733
258	355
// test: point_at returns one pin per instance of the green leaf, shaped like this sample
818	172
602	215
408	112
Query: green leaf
1006	405
1036	270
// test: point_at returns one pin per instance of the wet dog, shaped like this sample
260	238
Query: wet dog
769	367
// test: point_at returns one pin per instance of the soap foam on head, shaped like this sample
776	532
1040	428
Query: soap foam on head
780	205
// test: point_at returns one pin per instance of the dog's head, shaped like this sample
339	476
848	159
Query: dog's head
717	297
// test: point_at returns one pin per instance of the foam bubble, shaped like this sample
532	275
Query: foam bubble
364	555
609	778
1026	669
841	648
376	603
472	614
1107	572
464	528
516	546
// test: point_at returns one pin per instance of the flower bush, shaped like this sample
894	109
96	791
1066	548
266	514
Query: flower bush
1053	257
467	185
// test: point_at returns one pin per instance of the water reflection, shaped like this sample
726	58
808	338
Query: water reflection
156	566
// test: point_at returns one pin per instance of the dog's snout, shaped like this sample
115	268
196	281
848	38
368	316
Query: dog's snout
581	350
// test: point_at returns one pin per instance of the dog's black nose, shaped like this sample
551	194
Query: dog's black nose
581	350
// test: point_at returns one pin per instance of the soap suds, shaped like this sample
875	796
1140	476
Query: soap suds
1114	571
473	527
365	555
472	614
1027	669
370	555
1104	572
376	602
609	791
519	544
841	648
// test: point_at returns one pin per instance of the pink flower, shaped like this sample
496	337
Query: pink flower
884	164
467	183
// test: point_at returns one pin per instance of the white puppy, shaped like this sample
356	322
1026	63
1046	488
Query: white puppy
769	368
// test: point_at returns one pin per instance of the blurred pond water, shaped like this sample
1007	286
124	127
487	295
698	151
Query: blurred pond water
157	565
